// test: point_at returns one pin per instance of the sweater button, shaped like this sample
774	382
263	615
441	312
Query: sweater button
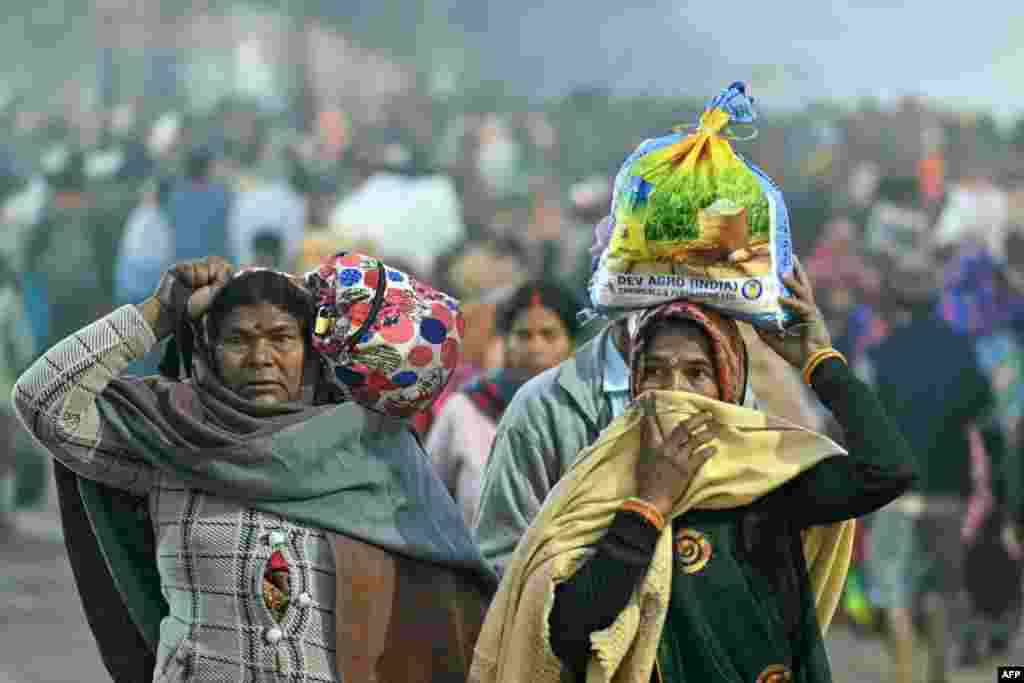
274	635
305	600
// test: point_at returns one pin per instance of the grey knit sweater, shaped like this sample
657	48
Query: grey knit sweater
211	552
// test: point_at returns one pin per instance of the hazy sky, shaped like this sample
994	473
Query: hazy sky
790	51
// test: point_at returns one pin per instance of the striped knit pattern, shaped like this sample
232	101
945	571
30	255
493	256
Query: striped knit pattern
211	552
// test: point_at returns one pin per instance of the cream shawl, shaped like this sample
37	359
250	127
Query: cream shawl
757	453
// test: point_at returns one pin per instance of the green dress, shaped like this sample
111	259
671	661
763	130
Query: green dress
727	617
742	609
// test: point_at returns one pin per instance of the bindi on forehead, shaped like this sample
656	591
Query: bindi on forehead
677	356
683	342
260	319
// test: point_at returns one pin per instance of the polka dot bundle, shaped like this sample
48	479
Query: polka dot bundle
388	341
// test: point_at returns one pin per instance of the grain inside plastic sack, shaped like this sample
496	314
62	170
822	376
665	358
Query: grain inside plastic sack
693	220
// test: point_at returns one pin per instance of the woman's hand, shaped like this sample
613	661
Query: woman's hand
667	465
187	288
810	334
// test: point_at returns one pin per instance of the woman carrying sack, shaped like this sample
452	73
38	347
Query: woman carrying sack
223	518
698	539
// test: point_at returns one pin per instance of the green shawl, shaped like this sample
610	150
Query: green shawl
340	468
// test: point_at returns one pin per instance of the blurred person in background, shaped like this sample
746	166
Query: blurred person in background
976	212
589	200
68	251
198	208
314	178
478	267
1011	470
537	325
553	242
126	137
894	228
483	274
268	201
147	245
978	302
847	289
890	227
243	130
319	188
19	459
928	379
268	251
482	352
167	143
22	198
396	204
145	253
843	277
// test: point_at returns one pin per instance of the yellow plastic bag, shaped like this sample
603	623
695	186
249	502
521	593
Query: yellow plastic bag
691	219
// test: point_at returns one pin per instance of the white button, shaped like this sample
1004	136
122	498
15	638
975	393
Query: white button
276	538
274	635
305	600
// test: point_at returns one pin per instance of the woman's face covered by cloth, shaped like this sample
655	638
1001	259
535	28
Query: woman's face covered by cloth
261	354
685	347
678	358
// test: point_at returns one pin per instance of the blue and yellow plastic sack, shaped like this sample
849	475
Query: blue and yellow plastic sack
692	219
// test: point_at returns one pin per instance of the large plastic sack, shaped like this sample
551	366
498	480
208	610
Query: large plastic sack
691	219
412	220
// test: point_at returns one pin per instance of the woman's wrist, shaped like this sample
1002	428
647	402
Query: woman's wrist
652	512
816	359
155	315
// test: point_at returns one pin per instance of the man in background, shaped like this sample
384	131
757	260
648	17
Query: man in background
928	379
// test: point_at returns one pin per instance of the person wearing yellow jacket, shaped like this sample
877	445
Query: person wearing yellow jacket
698	539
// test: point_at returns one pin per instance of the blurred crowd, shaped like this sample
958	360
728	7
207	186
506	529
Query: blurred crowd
919	267
94	213
924	298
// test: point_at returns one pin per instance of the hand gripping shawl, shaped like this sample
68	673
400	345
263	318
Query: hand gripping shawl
757	453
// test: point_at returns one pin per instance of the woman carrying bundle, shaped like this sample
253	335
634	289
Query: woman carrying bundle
698	539
259	512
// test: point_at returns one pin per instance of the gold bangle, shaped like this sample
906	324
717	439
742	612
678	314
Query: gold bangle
820	353
645	509
817	359
812	361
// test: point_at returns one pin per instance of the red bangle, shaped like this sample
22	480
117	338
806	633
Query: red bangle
646	510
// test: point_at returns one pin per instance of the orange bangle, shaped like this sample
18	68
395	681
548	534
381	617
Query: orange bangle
648	511
817	359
